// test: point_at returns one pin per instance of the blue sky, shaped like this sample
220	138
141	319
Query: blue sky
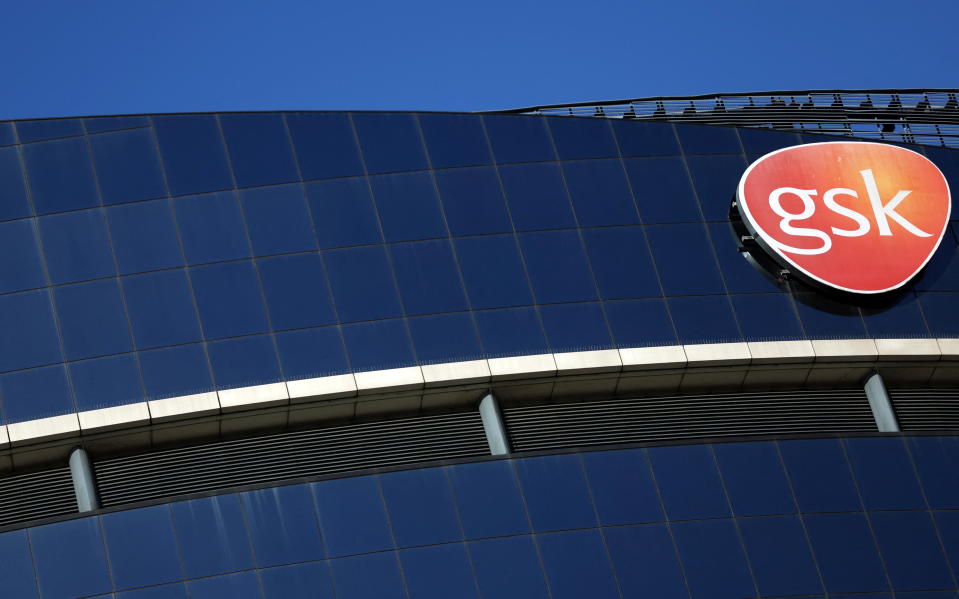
107	56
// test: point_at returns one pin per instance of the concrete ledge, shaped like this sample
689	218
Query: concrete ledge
845	350
43	429
948	348
106	419
4	437
908	349
585	362
711	354
394	379
473	371
519	367
780	352
326	387
663	357
258	396
187	406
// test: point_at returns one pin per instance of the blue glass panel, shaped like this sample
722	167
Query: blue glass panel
600	193
518	138
303	581
473	201
278	219
716	178
7	135
455	139
133	562
161	309
885	474
128	166
36	393
114	123
212	228
645	562
698	139
901	320
707	319
69	559
235	586
378	345
421	507
375	576
193	153
557	266
780	557
144	236
175	371
61	175
343	212
76	246
689	482
823	318
577	565
438	572
663	190
537	196
408	206
766	317
713	559
445	338
212	536
312	353
493	271
106	382
940	312
937	463
390	142
911	551
296	291
512	332
29	336
283	526
556	493
640	323
846	553
244	361
740	275
942	271
13	195
575	327
352	516
259	147
621	262
508	568
947	162
92	319
754	477
948	525
167	591
820	475
645	139
20	264
428	278
582	138
16	568
687	265
488	499
362	284
757	141
622	487
229	299
325	144
38	130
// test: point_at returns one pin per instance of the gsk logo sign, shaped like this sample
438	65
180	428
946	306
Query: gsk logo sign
856	216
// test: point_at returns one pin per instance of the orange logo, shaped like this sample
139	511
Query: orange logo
857	216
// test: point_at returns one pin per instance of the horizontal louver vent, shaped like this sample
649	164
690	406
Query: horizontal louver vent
687	417
926	409
26	497
289	455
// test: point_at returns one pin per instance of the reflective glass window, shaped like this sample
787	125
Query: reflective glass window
911	551
716	179
622	487
352	516
846	553
766	317
175	371
428	278
621	262
438	572
600	193
687	265
445	338
362	284
378	345
511	332
663	190
947	523
508	567
69	559
211	533
343	212
780	556
7	135
713	559
128	166
706	319
517	138
283	525
645	562
259	147
76	246
302	581
556	493
312	353
296	292
942	271
582	138
557	266
133	562
30	131
161	309
244	361
36	393
92	319
325	144
577	565
689	482
537	196
885	474
740	275
823	318
20	264
758	141
699	139
193	153
575	327
144	236
29	336
115	123
212	227
473	201
937	463
455	139
390	142
229	299
493	271
234	586
421	507
61	175
902	319
820	475
408	206
645	139
939	310
278	219
167	591
16	568
489	500
106	382
754	479
13	195
375	576
640	323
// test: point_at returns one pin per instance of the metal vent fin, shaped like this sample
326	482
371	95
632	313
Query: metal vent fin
926	409
26	497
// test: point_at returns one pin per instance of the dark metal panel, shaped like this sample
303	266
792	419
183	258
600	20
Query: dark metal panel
926	409
26	497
